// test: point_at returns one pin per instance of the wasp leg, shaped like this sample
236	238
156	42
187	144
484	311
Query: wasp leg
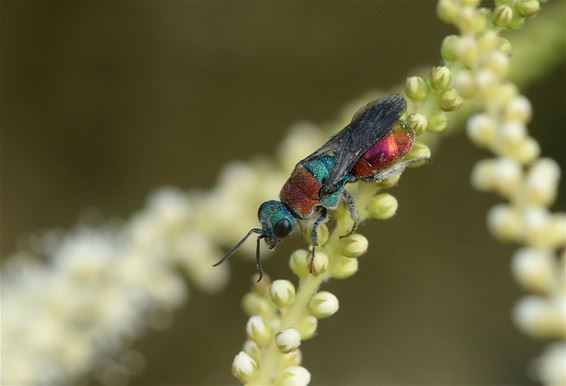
323	218
349	200
314	235
395	169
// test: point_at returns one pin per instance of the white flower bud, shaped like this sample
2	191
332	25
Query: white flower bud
486	82
512	133
260	287
533	269
319	263
502	15
299	262
504	45
467	50
307	327
557	230
542	182
419	150
171	208
526	151
488	41
244	367
258	331
391	181
354	245
450	100
471	21
448	48
282	293
536	222
498	63
324	304
540	317
293	358
416	88
518	110
343	267
254	304
550	367
508	176
293	376
528	8
440	78
504	93
288	340
517	22
252	349
437	123
382	206
447	11
481	129
483	175
417	122
464	83
504	222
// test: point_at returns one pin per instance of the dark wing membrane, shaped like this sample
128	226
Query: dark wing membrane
370	124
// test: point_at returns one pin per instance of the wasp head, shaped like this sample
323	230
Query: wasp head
277	222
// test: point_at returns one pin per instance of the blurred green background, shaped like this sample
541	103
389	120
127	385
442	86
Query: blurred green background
102	102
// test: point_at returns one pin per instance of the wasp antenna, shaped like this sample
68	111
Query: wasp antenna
231	252
257	258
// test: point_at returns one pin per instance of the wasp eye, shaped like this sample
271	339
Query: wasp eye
282	228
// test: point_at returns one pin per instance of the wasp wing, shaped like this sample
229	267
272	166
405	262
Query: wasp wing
370	124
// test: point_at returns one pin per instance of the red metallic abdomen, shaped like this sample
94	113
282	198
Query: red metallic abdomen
385	152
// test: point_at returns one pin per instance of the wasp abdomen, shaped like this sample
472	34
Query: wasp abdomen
384	152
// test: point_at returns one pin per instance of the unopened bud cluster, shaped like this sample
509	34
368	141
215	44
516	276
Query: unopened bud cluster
266	304
528	183
431	99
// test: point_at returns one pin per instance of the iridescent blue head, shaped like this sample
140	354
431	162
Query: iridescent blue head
277	222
